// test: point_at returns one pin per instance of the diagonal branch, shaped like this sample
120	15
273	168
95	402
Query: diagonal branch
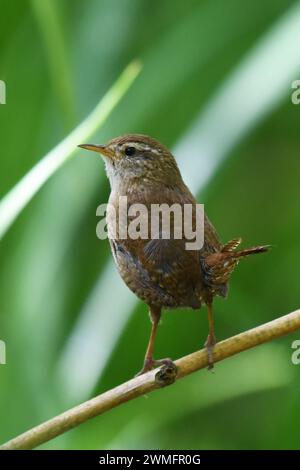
151	381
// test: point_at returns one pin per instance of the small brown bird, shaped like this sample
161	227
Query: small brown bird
162	272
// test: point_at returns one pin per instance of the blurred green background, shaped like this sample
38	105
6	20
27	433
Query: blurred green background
216	88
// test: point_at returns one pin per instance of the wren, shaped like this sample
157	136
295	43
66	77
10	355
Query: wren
162	272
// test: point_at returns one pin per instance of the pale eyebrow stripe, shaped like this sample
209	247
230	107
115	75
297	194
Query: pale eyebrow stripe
141	146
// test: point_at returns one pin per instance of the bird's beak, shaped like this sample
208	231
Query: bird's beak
103	149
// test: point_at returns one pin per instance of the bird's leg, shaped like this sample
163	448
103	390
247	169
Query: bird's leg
211	339
149	362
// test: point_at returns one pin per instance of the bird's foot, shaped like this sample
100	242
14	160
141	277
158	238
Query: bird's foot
150	364
209	344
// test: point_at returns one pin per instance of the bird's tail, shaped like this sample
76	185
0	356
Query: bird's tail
230	249
219	266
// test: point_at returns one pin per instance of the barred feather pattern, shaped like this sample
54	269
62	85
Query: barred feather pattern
219	266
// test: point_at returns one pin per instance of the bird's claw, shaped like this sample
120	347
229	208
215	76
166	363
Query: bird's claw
167	374
150	364
209	344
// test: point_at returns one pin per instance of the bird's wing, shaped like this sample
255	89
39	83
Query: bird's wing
167	263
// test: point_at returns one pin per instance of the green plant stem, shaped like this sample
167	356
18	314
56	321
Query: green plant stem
21	194
52	34
151	381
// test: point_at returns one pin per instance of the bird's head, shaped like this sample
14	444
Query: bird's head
135	156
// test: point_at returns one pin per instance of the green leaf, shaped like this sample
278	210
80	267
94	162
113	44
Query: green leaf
15	201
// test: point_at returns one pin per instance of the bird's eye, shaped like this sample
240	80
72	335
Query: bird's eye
130	151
